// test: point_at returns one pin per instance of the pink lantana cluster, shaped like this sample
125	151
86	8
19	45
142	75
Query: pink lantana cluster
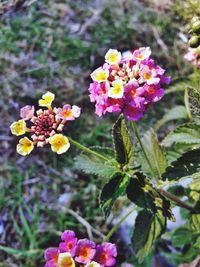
83	252
193	55
45	125
127	83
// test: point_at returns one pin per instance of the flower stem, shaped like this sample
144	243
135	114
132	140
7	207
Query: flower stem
135	130
78	145
117	225
173	198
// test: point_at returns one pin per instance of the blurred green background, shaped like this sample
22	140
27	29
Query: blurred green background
53	46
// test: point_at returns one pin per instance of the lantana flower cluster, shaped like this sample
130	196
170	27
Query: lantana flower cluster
127	83
83	252
45	126
193	55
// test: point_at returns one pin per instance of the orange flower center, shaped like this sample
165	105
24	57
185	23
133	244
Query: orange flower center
67	113
147	76
84	252
103	258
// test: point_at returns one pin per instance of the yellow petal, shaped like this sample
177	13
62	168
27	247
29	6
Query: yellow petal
117	89
100	75
59	143
93	264
25	146
113	57
46	100
18	127
65	260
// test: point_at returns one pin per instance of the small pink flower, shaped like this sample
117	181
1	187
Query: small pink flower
142	53
106	254
27	112
85	251
148	75
193	56
70	242
68	113
51	257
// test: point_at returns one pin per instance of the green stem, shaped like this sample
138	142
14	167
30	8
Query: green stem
117	225
78	145
134	126
186	100
176	200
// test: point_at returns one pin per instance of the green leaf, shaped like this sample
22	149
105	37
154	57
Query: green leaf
155	155
148	228
94	165
194	102
195	223
194	187
188	133
185	166
144	195
122	142
141	193
181	236
115	188
177	112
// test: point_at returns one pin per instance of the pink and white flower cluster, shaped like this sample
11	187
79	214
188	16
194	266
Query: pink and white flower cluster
44	125
127	83
193	55
82	252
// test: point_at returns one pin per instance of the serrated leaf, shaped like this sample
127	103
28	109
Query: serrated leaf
185	166
177	112
194	187
122	142
195	223
91	164
115	188
181	236
155	154
188	133
144	195
148	228
140	193
194	102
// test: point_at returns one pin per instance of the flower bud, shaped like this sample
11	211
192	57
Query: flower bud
196	27
194	19
194	41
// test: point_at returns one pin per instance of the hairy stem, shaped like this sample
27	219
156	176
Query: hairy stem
176	200
90	151
117	225
134	126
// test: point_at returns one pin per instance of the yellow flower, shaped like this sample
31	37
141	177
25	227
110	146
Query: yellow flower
59	143
113	57
65	260
46	100
100	75
18	127
93	264
25	146
117	89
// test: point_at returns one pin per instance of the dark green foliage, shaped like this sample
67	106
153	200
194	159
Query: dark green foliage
148	227
115	188
122	142
143	194
185	166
